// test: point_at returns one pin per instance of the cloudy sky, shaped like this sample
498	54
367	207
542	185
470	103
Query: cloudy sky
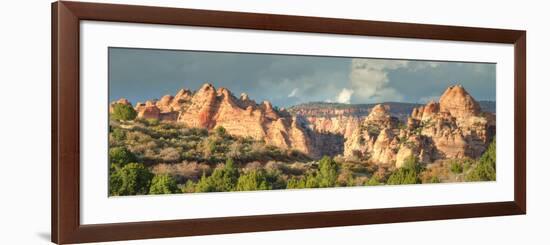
285	80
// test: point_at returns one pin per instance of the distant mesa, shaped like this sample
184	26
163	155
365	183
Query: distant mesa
454	127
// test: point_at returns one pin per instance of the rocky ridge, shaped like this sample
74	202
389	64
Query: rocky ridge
453	127
210	108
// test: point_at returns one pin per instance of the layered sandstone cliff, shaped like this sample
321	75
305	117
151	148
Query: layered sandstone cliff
453	127
210	108
375	138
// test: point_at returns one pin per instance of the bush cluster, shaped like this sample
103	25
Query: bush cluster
152	157
409	173
485	168
126	177
123	112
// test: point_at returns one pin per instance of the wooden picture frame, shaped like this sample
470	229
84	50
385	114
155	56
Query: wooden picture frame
65	181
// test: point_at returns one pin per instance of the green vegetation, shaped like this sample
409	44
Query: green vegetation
407	174
326	176
120	156
328	172
154	142
373	181
123	112
152	157
307	181
253	181
485	169
434	179
222	179
164	184
132	179
456	167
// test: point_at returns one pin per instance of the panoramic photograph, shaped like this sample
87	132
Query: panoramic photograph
185	122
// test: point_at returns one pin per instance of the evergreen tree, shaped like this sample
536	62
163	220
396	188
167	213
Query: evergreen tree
222	179
373	181
328	172
123	112
252	181
311	181
120	156
485	169
295	183
407	174
132	179
164	184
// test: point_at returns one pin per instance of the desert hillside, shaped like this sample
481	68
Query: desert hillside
188	134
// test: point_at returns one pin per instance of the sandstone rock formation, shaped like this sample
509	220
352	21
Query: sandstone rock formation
210	108
148	110
456	125
123	101
453	127
456	101
343	125
375	138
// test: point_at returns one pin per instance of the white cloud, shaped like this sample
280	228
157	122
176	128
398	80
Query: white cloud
370	82
369	79
344	96
423	65
293	93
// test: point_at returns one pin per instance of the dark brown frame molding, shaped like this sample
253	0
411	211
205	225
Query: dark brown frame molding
66	17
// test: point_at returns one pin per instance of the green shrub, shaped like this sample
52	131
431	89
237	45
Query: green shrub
118	134
412	163
311	181
222	179
152	121
485	168
132	179
164	184
275	180
295	183
189	187
407	174
308	181
350	180
123	112
456	167
403	176
328	172
252	181
373	181
120	156
220	131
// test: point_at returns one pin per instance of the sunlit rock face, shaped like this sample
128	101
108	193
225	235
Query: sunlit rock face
454	127
456	101
210	108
